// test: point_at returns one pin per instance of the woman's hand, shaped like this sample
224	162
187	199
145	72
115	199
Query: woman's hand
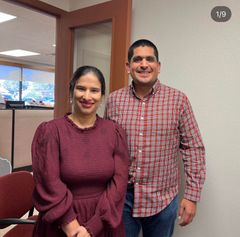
74	229
83	232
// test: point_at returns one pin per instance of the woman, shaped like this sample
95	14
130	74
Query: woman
80	166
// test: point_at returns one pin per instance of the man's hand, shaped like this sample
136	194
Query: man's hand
187	211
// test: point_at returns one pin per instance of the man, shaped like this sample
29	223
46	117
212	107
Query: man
160	126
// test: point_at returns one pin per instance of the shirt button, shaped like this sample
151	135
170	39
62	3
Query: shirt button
142	118
140	133
136	183
140	151
138	168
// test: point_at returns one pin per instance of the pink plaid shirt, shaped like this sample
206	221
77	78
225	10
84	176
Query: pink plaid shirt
159	128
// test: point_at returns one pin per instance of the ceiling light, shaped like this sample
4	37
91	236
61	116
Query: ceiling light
6	17
18	53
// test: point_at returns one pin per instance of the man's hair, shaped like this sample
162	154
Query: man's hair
139	43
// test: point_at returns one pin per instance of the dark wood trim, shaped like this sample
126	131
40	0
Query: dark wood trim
120	42
64	68
90	15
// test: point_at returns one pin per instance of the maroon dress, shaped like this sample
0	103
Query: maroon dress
79	173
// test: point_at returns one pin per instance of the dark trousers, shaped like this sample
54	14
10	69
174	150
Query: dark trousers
159	225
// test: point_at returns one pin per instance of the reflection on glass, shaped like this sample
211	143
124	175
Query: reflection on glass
35	87
10	73
10	77
38	87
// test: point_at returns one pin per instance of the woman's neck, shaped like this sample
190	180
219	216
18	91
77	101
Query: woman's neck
85	121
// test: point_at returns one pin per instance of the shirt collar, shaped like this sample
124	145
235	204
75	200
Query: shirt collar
155	88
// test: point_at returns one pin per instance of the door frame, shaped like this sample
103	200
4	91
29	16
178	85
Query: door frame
119	12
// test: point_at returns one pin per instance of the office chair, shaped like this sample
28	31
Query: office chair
16	201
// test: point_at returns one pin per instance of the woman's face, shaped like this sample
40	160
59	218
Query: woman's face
87	94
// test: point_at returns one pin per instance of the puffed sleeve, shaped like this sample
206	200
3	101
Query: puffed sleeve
110	206
51	196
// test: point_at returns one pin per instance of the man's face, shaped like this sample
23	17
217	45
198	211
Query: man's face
143	67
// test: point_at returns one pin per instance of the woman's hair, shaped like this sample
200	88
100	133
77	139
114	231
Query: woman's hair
83	70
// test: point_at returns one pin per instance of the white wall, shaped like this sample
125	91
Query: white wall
77	4
202	58
71	5
63	4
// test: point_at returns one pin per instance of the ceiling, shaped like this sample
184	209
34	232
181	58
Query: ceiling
32	31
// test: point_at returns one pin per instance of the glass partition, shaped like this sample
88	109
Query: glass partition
10	76
35	87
